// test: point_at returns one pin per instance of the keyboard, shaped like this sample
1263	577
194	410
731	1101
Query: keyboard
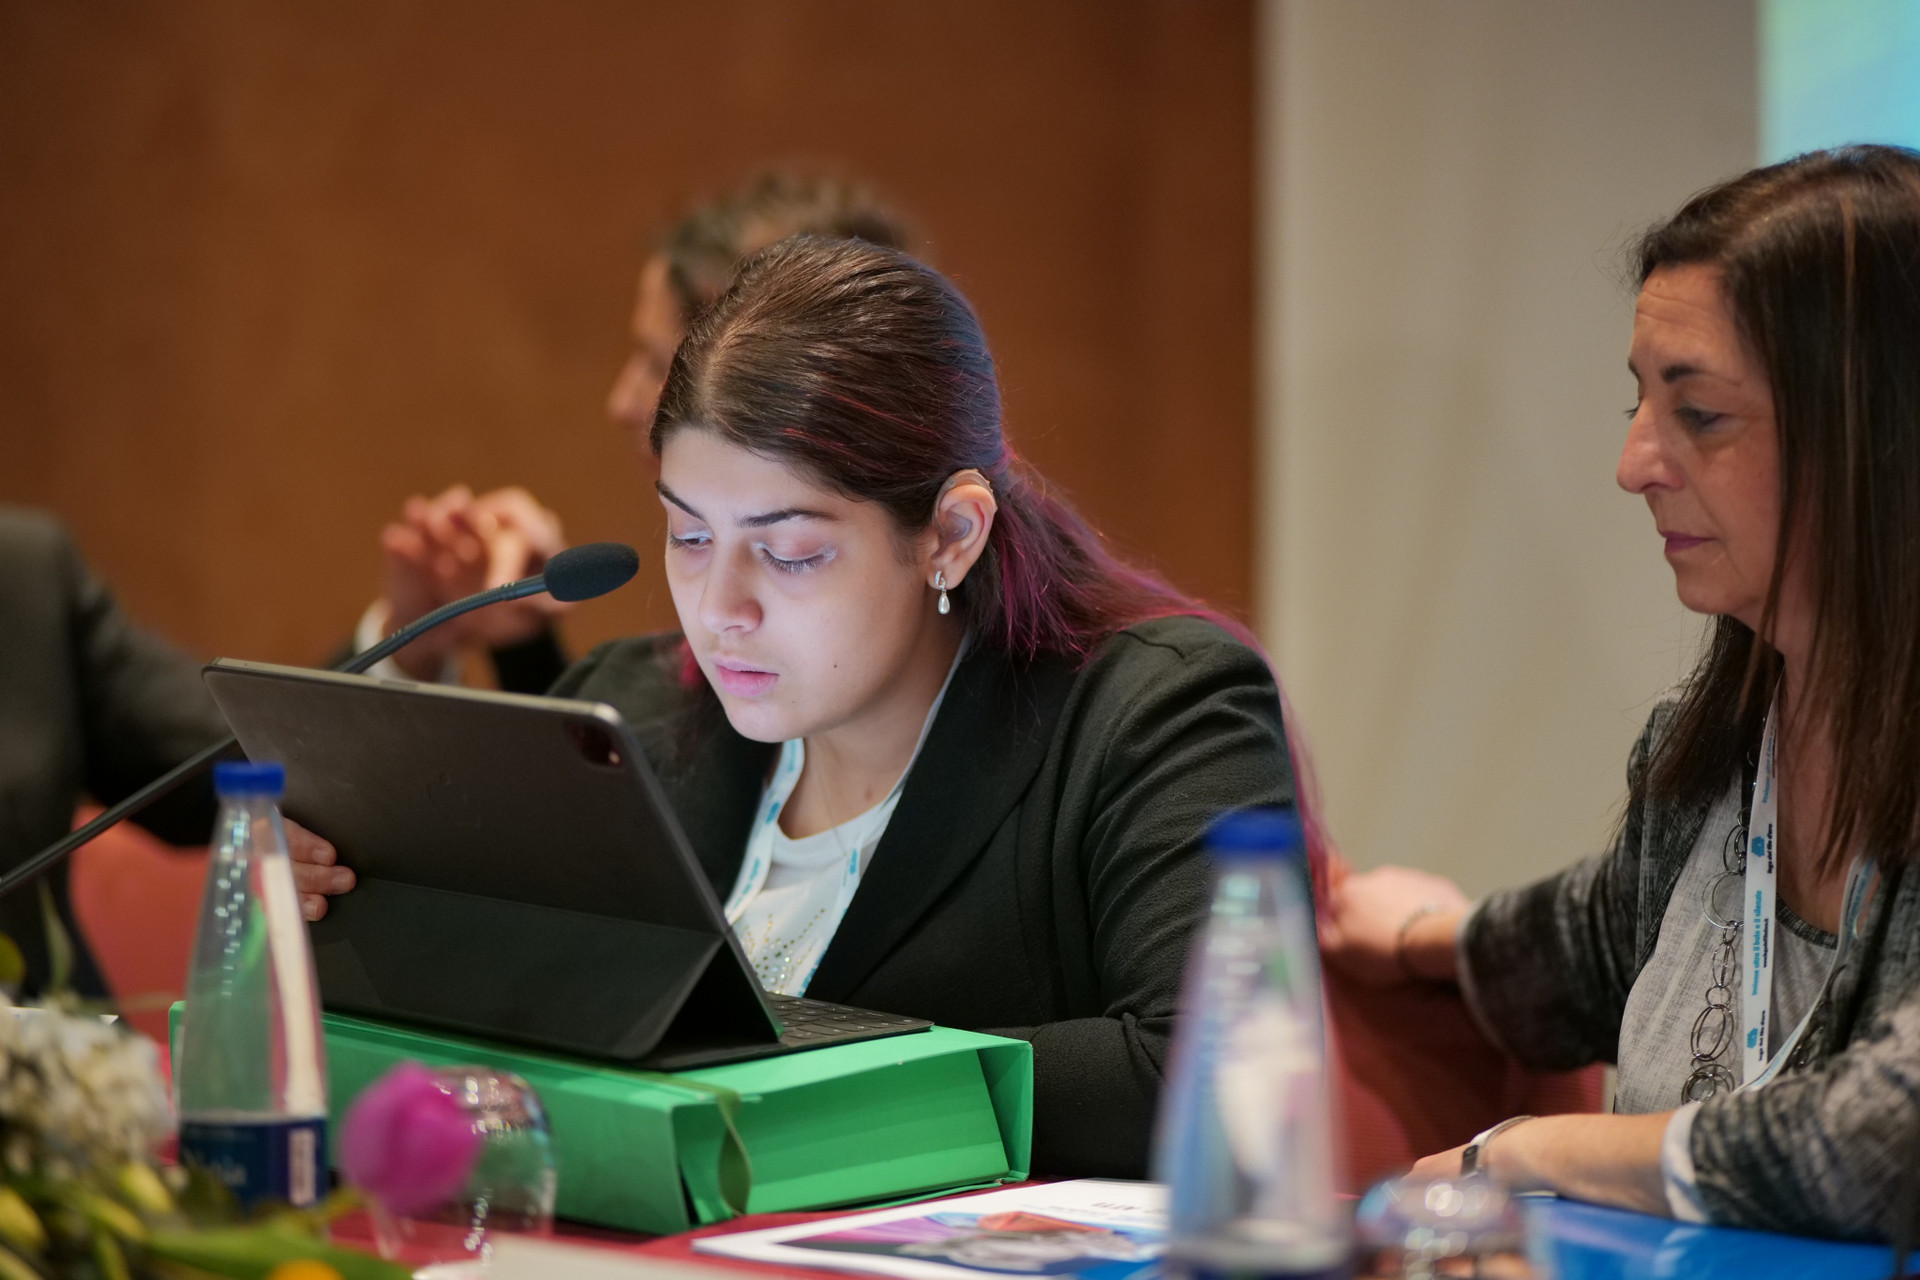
812	1023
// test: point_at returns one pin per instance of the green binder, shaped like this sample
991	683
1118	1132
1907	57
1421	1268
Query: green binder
879	1119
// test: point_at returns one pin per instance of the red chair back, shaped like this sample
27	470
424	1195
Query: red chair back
137	900
1412	1075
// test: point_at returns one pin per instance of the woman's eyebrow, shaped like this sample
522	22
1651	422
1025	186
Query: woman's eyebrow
784	513
676	500
1675	372
746	522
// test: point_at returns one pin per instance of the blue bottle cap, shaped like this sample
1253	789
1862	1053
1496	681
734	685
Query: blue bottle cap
1263	833
238	778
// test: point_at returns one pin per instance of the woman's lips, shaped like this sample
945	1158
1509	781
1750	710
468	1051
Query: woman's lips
1681	542
741	680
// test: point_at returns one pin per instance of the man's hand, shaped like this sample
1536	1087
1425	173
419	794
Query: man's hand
520	536
317	872
455	544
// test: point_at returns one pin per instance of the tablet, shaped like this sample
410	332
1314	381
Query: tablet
520	874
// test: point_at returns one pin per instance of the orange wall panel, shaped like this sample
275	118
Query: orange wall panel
268	269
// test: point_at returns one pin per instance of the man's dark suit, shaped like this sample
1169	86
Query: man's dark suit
89	704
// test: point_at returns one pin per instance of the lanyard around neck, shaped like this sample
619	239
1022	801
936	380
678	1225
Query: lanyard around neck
1760	907
1756	961
786	775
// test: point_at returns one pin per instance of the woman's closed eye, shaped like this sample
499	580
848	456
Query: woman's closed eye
1697	419
794	564
1691	418
694	541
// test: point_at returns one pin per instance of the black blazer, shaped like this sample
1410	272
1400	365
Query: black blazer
1042	875
89	704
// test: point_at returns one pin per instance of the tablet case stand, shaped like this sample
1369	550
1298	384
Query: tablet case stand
537	974
521	875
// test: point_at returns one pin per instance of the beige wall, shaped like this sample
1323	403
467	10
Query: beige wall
1472	620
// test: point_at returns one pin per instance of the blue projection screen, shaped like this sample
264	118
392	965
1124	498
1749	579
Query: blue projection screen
1834	71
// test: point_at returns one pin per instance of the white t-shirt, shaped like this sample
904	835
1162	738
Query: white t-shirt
786	924
790	895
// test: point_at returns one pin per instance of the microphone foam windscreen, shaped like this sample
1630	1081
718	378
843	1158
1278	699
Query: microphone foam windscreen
581	573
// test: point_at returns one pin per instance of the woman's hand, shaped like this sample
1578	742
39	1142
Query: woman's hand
1392	925
1445	1164
316	870
1613	1160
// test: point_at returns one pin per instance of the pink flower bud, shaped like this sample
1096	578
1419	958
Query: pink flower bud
407	1143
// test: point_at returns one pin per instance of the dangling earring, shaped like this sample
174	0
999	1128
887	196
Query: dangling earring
940	585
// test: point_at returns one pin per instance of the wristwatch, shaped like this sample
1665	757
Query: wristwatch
1470	1157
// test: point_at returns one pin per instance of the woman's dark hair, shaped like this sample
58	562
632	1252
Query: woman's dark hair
1819	260
868	370
703	249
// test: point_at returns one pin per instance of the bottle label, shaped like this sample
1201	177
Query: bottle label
278	1159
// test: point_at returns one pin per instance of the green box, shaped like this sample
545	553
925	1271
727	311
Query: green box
874	1120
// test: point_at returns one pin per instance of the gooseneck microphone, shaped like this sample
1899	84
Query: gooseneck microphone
578	573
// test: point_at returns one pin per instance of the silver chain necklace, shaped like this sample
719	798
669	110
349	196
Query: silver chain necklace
1713	1028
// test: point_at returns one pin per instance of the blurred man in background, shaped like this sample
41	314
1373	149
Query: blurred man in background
90	704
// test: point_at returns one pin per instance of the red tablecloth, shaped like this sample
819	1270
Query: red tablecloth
680	1247
356	1230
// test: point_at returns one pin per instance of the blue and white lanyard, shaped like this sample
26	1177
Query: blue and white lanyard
759	862
786	775
1760	903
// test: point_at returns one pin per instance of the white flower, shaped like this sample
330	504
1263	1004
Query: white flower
76	1093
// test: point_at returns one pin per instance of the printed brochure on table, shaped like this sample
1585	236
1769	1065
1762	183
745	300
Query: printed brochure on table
1088	1229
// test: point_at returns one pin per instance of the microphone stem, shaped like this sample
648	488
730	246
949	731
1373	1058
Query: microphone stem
414	630
155	790
171	780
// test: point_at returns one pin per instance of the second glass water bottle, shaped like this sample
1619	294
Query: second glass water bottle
1244	1141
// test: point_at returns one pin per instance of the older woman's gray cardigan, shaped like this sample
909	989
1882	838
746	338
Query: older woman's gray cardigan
1832	1146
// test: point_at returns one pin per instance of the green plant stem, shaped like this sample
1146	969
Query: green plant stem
14	1267
109	1258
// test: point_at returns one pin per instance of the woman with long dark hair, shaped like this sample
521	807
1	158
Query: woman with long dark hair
938	750
1748	952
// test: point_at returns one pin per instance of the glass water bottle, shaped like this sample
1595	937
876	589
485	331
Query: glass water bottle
250	1072
1244	1142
